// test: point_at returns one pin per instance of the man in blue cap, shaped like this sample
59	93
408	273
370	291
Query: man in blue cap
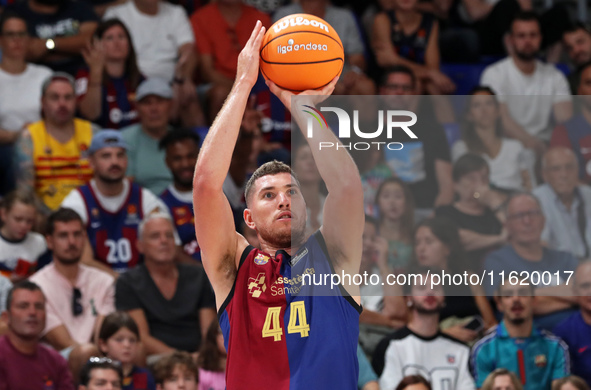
111	206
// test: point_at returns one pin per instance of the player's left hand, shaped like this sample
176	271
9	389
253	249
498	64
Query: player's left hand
314	96
248	60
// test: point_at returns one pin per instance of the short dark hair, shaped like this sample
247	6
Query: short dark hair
99	363
63	214
8	14
398	69
115	321
179	135
468	163
576	26
524	16
412	380
270	168
164	367
22	285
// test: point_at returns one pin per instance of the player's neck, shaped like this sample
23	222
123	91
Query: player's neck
519	331
24	346
425	325
109	188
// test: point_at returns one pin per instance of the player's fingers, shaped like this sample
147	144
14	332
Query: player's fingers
327	89
255	31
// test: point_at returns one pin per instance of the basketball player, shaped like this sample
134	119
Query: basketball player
277	338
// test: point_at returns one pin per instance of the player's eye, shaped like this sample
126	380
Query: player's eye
268	195
292	191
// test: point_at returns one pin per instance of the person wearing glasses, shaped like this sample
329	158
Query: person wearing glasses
538	357
101	373
20	92
78	296
24	362
526	253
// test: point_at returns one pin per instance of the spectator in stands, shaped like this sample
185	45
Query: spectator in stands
420	347
511	165
536	356
368	380
162	38
575	134
177	371
182	148
566	204
59	30
24	362
78	296
526	252
111	206
106	86
146	161
576	330
20	92
413	382
373	171
529	90
396	221
438	245
311	186
173	304
406	36
423	163
119	339
221	30
501	379
212	360
19	246
353	80
571	382
100	373
477	210
577	40
50	151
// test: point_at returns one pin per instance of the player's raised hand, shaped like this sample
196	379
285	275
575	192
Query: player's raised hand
313	96
248	60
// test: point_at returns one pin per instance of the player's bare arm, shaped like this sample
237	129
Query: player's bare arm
343	215
221	246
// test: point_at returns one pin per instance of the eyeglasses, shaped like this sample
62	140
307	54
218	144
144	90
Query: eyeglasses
15	34
76	304
530	214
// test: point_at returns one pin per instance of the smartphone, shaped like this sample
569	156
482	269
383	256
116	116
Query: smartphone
476	324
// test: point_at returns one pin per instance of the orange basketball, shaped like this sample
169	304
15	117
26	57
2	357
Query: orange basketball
301	52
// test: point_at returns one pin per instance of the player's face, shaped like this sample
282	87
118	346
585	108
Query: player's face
467	186
154	111
181	158
305	166
103	379
430	250
526	39
503	382
525	220
578	46
14	39
157	241
392	201
26	317
115	43
109	164
67	241
561	171
583	286
484	111
122	346
181	379
59	102
17	221
516	302
278	210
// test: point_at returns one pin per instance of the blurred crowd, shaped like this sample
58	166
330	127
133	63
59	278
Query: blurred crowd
103	109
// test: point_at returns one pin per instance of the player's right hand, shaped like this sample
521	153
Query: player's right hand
248	60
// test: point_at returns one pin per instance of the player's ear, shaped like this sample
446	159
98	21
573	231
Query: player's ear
248	219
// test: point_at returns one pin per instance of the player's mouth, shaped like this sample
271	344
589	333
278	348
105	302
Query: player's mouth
284	215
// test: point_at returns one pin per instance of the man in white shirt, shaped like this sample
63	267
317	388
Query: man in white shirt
529	90
111	206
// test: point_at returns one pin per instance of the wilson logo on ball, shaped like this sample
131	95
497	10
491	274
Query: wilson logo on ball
290	21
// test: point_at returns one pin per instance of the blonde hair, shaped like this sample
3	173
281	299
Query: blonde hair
489	382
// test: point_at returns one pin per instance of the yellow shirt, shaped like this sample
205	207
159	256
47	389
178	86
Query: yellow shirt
59	168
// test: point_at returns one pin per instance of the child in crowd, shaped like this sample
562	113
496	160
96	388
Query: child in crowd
118	340
19	246
176	371
395	205
212	360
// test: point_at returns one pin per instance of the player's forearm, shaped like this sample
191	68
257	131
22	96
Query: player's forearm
216	153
